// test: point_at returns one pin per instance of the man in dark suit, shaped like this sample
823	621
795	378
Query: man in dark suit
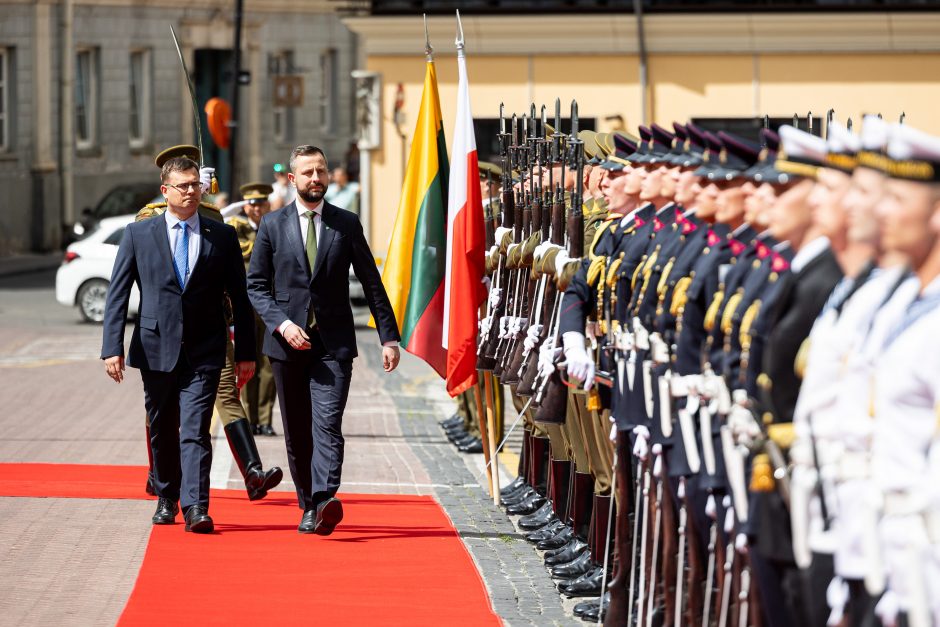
184	266
298	282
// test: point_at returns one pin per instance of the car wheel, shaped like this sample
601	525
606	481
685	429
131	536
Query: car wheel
91	298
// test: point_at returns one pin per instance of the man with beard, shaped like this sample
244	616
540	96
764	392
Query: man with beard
298	282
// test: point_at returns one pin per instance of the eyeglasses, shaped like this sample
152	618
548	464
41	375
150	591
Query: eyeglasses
186	187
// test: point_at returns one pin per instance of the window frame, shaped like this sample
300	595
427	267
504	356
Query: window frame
6	100
91	102
144	98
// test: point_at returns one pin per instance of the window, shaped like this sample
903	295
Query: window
140	98
5	99
115	238
86	97
282	64
329	90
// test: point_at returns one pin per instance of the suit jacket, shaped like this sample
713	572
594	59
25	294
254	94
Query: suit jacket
803	298
282	286
171	319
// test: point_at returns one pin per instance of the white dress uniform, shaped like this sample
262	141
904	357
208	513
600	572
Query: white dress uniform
906	397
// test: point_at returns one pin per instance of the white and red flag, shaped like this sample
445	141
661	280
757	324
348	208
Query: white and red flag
463	288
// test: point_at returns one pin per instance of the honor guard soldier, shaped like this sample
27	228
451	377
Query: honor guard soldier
237	428
258	395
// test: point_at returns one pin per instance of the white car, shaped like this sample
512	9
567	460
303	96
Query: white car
83	278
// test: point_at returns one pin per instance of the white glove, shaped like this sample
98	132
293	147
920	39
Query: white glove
580	366
496	294
205	178
531	337
504	327
641	447
547	356
485	325
744	427
515	325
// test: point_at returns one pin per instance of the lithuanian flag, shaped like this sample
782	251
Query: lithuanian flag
414	269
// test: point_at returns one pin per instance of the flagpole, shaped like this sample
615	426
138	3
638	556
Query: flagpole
487	430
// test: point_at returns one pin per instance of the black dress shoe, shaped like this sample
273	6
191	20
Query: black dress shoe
512	488
474	447
464	440
255	429
588	585
574	549
308	521
450	422
585	606
545	532
597	614
518	497
267	430
329	514
538	519
575	568
454	429
557	541
198	520
166	512
527	506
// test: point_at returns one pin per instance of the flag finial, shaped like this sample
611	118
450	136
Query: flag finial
459	40
428	50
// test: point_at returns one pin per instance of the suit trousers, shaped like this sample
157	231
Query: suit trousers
179	404
312	392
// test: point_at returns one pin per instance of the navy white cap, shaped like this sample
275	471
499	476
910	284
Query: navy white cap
801	153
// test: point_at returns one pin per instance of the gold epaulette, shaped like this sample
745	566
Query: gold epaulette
596	269
711	314
782	433
762	474
727	318
209	205
680	296
150	210
237	221
744	334
597	236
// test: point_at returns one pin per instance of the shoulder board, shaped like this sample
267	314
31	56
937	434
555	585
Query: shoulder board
209	205
237	220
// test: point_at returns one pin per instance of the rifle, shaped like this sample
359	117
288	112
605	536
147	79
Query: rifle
552	395
486	352
532	304
553	220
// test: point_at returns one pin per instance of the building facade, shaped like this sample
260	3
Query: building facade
91	89
728	66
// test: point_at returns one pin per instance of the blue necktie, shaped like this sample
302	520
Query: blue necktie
181	257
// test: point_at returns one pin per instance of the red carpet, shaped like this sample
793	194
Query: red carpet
394	560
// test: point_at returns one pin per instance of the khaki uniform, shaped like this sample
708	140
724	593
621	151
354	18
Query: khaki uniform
259	393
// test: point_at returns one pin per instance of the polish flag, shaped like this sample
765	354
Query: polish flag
464	291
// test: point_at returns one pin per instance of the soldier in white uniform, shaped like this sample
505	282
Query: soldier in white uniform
905	383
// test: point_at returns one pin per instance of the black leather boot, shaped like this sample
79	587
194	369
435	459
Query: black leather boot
539	449
601	524
575	568
514	499
566	554
528	506
561	471
588	585
541	517
557	541
257	480
545	532
508	490
582	503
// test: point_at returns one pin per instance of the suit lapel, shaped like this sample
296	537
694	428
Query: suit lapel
162	242
292	230
327	233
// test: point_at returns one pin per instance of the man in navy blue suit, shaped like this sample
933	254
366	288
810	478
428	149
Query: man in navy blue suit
298	282
184	267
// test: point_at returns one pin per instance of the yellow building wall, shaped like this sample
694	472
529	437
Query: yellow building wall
681	86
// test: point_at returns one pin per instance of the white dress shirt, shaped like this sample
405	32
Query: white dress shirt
174	232
317	210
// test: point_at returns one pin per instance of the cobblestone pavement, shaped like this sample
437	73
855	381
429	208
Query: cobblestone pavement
73	561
